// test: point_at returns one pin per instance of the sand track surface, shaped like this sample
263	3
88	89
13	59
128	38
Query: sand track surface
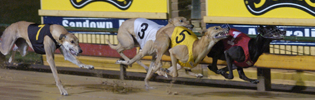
29	85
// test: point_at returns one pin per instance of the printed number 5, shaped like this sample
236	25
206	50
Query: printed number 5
41	26
141	34
182	33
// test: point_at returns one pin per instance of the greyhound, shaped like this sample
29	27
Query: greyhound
141	32
240	51
186	49
43	39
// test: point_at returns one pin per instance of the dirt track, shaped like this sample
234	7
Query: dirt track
16	84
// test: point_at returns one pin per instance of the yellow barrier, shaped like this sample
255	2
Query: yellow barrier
149	15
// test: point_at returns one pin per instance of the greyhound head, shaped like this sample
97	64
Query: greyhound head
181	21
271	32
70	44
216	33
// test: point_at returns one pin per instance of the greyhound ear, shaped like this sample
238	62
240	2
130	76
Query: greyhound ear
203	31
62	36
170	20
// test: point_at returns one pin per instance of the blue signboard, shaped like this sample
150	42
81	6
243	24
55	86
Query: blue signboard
299	31
91	22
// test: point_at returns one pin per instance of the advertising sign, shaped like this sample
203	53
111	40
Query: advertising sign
297	17
262	8
257	12
106	5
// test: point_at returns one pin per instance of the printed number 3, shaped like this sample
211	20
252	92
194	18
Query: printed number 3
143	29
41	26
182	33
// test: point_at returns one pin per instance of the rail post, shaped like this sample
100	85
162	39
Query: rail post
2	60
264	77
122	71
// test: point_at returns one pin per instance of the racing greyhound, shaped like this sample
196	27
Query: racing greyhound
43	39
241	51
186	49
142	32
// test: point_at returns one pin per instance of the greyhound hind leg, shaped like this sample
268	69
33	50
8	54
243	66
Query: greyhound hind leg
244	77
20	46
11	59
147	49
126	41
8	39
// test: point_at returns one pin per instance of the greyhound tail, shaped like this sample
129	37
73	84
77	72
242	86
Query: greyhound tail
115	47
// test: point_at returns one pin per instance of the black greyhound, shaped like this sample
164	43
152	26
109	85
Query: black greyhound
234	54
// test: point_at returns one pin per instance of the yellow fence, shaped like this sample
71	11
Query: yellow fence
96	38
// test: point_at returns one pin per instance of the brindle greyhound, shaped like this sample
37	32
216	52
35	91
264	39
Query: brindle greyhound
256	46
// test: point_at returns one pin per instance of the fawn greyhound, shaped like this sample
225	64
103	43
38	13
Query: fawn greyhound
186	49
141	32
43	39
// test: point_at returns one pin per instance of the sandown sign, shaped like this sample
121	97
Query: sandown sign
262	8
81	22
156	6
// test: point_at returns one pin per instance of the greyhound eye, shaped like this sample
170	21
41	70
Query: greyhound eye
72	41
181	21
216	28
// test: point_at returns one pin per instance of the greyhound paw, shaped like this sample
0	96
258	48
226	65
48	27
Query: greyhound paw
123	62
220	71
162	73
175	75
227	76
223	73
86	66
118	61
147	87
199	75
65	94
254	81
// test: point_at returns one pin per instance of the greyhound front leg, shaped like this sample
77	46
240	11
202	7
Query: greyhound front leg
189	72
51	63
74	60
213	67
81	65
152	69
229	65
174	63
150	73
147	78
